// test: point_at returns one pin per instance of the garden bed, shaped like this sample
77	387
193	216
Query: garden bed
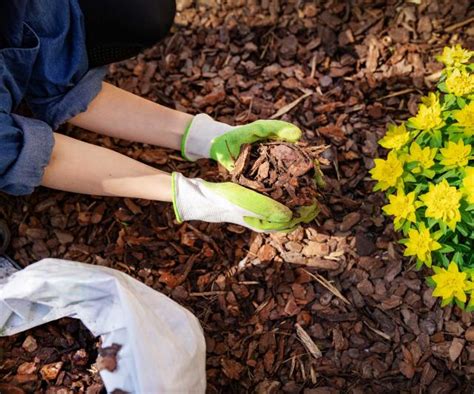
332	306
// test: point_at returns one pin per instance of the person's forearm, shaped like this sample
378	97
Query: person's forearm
79	167
118	113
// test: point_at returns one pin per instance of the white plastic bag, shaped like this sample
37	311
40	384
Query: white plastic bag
163	348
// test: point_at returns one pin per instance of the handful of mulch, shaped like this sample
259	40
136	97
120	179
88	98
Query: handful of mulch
51	358
283	171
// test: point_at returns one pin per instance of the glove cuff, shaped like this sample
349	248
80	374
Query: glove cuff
198	138
174	193
192	200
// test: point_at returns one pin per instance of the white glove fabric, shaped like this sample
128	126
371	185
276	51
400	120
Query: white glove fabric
163	347
194	201
197	141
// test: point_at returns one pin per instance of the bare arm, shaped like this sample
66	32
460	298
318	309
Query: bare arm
118	113
80	167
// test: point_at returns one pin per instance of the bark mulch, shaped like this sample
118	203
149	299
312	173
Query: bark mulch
333	306
283	171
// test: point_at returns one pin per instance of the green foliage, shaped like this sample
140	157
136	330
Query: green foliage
428	178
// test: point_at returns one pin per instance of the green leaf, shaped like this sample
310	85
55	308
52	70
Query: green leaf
411	165
458	258
462	229
442	88
443	227
450	174
459	304
437	138
428	173
461	102
446	249
406	226
442	259
430	282
470	305
419	264
446	301
409	177
467	218
431	223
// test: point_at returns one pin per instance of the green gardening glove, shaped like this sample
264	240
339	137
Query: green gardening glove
196	199
207	138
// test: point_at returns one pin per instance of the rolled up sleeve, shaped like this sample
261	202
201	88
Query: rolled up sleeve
59	109
61	85
25	144
25	150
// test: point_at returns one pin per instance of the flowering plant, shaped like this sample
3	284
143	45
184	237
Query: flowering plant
428	177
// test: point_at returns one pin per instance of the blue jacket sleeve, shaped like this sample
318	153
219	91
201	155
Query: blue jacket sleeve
25	144
61	84
25	149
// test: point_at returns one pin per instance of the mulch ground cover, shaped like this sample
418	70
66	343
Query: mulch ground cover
333	306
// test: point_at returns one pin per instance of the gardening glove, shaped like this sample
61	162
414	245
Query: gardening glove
207	138
197	199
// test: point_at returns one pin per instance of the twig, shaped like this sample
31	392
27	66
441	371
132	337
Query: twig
325	283
459	24
313	66
205	238
368	25
399	93
207	293
378	332
308	342
434	77
283	110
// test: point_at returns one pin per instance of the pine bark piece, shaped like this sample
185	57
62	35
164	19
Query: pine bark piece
108	357
280	170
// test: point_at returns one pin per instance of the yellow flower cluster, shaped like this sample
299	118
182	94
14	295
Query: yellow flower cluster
465	119
428	177
455	56
396	137
424	157
468	185
420	243
429	114
402	207
460	83
455	154
387	172
442	202
451	283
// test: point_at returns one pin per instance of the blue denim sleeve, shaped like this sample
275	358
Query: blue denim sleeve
25	149
61	84
25	144
57	110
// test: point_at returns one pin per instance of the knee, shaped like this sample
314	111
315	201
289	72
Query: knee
157	20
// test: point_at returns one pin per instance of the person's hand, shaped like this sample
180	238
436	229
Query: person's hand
207	138
196	199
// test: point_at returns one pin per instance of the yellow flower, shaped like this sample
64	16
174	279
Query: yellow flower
468	185
396	137
442	203
429	114
455	154
387	172
465	118
460	83
451	283
424	156
420	243
454	56
402	206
